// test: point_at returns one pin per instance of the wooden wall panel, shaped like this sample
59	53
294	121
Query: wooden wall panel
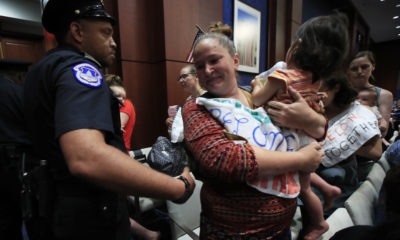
283	22
112	9
25	49
176	95
141	30
296	14
210	11
296	17
387	68
147	92
281	33
180	19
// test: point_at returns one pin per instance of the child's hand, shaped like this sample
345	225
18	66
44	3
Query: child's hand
256	85
312	155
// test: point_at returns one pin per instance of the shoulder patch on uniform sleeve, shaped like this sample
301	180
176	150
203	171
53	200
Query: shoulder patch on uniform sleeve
88	75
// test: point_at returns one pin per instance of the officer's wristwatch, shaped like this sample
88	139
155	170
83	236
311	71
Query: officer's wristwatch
186	194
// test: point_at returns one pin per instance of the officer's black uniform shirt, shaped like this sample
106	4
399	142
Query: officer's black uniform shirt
56	102
65	91
12	126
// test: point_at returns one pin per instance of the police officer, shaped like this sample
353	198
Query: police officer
73	120
13	144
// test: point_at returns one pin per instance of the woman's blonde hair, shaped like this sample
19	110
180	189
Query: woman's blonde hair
219	27
113	80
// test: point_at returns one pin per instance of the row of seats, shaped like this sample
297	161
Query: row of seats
360	206
358	210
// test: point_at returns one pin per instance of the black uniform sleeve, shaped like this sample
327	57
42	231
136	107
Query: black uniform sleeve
79	105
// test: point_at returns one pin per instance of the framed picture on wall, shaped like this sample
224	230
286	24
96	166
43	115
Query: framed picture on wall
246	36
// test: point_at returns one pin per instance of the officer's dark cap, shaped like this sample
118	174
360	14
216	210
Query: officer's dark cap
14	64
58	14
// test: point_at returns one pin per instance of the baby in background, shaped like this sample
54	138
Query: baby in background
369	97
317	52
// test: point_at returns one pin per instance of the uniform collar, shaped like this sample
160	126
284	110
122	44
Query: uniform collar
66	46
88	56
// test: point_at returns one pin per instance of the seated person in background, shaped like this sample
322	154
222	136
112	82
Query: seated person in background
360	75
317	52
369	97
352	129
126	109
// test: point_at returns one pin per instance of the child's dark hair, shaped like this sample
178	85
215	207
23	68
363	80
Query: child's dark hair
323	46
371	90
346	94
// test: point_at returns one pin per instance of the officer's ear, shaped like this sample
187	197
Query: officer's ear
76	30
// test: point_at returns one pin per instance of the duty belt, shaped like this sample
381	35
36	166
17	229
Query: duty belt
9	155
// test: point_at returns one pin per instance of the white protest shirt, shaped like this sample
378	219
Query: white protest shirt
256	127
347	132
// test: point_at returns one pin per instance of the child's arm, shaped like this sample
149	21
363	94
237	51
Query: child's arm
263	94
297	115
255	85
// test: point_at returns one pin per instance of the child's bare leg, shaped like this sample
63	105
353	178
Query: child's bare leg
330	192
317	224
142	231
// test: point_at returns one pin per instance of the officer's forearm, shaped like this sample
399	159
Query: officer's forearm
88	156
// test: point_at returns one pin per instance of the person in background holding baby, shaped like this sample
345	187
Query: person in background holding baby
369	97
317	52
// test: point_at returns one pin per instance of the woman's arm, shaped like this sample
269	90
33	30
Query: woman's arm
216	154
307	159
298	115
371	149
124	119
385	108
127	111
220	157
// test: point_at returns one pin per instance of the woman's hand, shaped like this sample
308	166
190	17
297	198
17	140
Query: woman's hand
383	126
312	155
169	122
297	115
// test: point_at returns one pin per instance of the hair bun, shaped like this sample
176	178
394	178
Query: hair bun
219	27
